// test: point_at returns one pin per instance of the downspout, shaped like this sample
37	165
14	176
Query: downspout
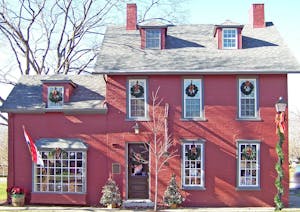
11	152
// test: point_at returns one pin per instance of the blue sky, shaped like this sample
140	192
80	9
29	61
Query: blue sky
285	14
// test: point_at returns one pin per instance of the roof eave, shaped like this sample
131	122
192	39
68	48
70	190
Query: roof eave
59	110
191	72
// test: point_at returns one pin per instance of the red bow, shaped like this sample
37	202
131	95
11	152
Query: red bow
279	120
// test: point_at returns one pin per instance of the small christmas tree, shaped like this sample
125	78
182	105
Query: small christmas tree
110	194
172	194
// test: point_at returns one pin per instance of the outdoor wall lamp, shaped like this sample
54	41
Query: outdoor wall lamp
280	105
136	128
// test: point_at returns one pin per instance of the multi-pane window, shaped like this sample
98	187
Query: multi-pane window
137	92
229	38
64	171
153	38
192	102
247	98
193	165
55	96
248	165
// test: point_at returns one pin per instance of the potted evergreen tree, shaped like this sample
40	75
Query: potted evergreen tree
172	196
111	196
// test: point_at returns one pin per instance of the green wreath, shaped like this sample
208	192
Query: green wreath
137	90
249	153
191	90
193	156
247	87
55	96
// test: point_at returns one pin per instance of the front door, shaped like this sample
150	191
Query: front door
138	171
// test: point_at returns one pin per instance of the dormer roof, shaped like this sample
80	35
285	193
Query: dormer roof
155	23
228	24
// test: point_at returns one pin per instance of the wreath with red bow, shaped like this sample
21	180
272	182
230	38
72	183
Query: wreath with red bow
191	90
249	153
137	90
247	87
55	96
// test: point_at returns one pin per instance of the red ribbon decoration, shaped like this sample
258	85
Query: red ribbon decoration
279	120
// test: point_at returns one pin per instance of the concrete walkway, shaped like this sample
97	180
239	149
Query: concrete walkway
88	209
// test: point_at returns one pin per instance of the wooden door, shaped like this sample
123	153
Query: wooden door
138	171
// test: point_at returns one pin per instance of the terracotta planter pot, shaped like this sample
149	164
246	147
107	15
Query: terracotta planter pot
17	200
113	205
173	206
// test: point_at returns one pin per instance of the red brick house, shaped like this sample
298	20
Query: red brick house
221	83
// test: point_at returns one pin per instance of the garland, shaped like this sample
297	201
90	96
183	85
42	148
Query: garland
137	90
278	167
193	156
55	96
191	90
247	87
249	153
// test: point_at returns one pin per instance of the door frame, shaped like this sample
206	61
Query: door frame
126	169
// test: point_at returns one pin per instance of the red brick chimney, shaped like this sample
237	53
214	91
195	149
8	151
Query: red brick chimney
131	17
257	16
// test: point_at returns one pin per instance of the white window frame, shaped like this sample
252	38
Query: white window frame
153	38
142	82
251	97
231	38
198	98
49	179
187	166
59	104
250	181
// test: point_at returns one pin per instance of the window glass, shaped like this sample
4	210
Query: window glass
248	159
192	90
63	172
153	37
55	96
229	38
137	98
193	170
247	98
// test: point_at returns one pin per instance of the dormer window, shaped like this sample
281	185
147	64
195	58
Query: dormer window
55	96
153	33
153	38
229	35
229	38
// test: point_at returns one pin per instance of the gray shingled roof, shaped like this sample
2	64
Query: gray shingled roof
87	97
193	49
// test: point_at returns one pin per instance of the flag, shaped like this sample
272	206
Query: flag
35	154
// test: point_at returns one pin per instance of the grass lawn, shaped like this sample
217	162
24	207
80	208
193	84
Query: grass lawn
2	191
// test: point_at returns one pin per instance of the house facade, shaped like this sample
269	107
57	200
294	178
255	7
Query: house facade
220	83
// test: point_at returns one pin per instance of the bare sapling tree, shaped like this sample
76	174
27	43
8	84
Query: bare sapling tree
57	36
160	142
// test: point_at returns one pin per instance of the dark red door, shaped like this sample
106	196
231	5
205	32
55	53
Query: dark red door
138	171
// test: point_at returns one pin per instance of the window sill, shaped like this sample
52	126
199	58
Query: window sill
250	119
137	119
194	119
248	188
194	188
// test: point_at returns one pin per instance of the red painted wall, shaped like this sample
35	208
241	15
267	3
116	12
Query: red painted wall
221	130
